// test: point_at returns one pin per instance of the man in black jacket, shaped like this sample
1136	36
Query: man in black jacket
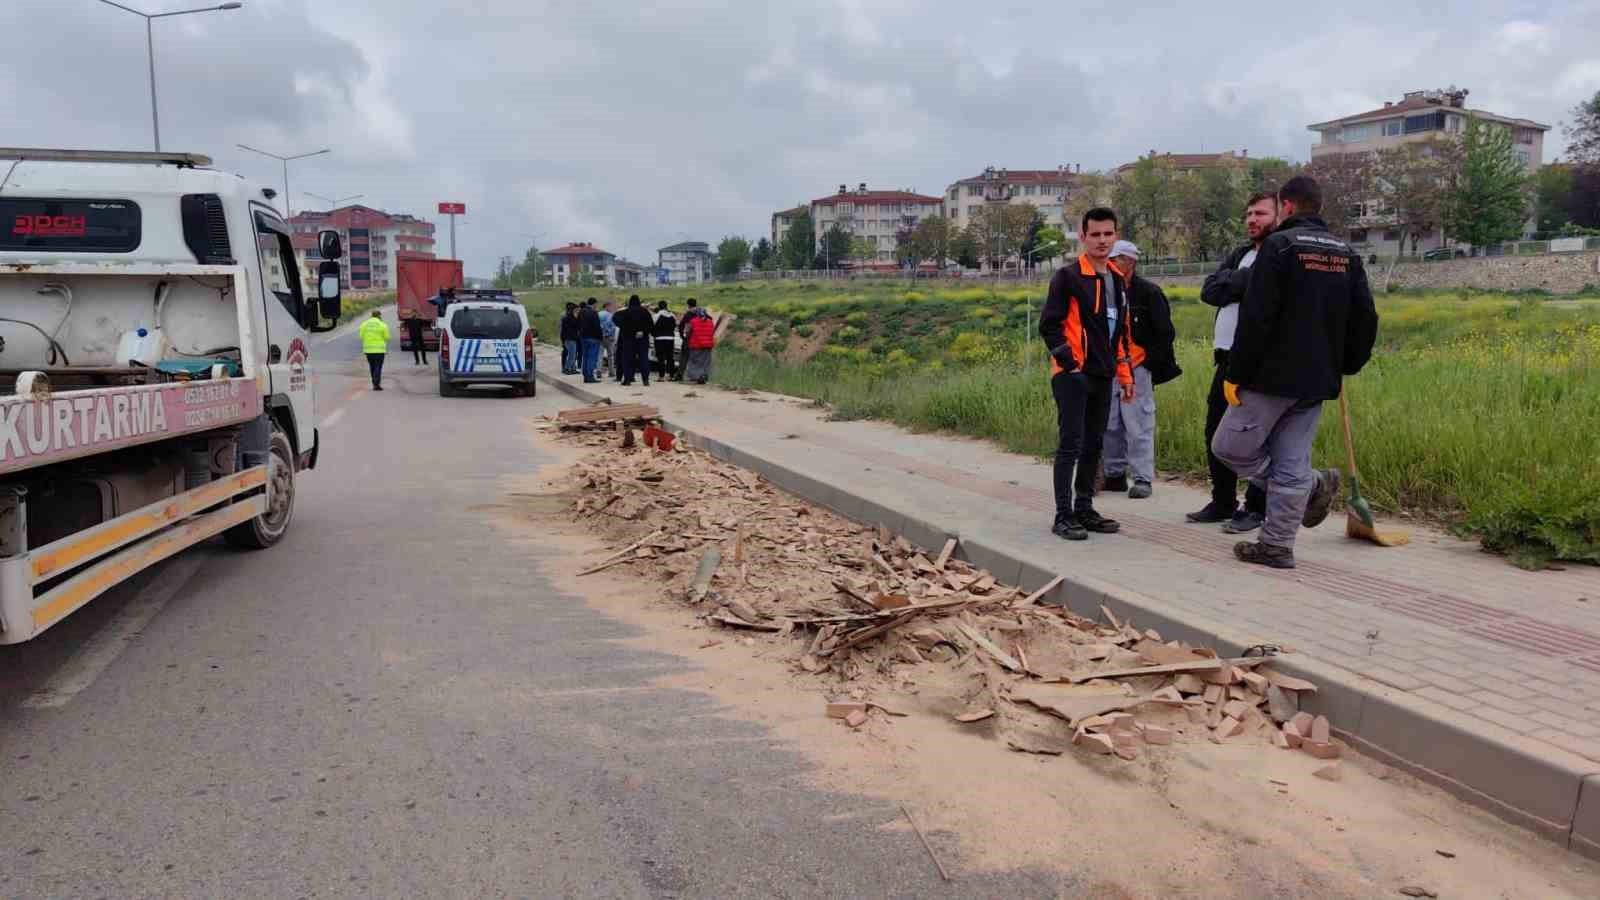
1087	350
664	328
1307	321
1224	289
633	341
590	338
1130	442
570	355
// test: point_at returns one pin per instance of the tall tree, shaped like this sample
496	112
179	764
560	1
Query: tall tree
1552	195
1489	201
999	229
1412	181
502	273
1049	243
1267	173
1147	196
798	244
862	250
834	248
1583	132
761	256
931	240
964	248
1347	182
732	253
1031	239
1086	191
1210	219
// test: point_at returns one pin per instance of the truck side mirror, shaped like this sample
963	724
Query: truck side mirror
328	305
329	246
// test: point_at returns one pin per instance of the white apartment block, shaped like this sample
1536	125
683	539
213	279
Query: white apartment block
1045	189
878	216
688	262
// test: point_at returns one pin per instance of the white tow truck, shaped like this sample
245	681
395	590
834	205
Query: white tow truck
153	383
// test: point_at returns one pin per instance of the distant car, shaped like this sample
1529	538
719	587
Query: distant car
1444	253
484	338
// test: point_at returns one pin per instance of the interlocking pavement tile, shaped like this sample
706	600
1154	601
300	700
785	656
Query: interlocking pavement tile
1519	724
1498	701
1447	698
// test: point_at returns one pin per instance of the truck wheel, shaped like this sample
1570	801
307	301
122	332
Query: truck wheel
268	528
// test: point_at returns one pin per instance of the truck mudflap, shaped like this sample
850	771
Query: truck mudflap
44	427
34	594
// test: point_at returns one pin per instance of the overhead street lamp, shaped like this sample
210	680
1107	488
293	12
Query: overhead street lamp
287	212
150	48
332	203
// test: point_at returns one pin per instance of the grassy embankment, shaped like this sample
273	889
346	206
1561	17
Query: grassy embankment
1480	409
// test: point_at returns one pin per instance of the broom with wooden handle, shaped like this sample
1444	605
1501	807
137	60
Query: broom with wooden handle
1358	522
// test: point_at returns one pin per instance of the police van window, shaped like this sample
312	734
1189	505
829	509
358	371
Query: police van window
278	269
69	226
490	324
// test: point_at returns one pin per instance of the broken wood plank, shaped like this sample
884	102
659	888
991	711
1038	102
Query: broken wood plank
733	622
1070	706
989	647
1048	587
944	555
1197	665
975	715
868	634
620	555
925	845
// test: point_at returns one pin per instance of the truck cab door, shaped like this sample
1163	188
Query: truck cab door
288	351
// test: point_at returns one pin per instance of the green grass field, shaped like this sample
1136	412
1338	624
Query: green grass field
1482	410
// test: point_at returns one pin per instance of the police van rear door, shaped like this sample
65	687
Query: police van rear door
488	338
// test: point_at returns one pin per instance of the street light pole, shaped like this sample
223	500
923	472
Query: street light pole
288	211
150	49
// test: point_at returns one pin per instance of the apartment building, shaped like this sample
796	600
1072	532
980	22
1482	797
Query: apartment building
1045	189
878	216
1418	116
688	262
782	219
568	264
371	238
1191	163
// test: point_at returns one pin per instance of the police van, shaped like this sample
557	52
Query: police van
484	338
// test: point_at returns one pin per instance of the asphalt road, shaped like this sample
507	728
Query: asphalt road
394	702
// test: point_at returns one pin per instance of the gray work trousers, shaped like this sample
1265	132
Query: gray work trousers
1267	439
1129	447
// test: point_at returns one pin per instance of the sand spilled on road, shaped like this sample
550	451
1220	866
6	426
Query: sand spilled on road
1189	820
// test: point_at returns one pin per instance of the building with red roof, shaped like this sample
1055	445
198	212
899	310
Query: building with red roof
1045	189
371	238
878	216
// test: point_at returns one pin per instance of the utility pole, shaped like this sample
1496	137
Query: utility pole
150	50
288	211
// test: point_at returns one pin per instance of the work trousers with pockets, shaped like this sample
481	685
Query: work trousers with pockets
1267	439
1130	443
608	356
1082	404
591	358
1224	483
569	357
666	367
375	366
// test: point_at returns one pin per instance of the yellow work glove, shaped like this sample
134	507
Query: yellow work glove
1230	392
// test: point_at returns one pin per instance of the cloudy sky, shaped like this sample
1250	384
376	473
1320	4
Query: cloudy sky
634	125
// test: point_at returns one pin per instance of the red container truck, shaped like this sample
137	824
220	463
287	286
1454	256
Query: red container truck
418	279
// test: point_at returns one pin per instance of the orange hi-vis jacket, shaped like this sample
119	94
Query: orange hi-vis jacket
1074	326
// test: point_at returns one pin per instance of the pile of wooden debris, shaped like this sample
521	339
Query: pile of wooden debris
865	613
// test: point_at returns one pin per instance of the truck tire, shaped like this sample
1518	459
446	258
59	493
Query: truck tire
268	528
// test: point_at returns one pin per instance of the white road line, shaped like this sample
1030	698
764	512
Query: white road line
105	645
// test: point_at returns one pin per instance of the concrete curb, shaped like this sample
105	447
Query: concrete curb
1549	791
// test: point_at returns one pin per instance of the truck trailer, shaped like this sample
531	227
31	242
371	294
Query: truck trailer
154	389
418	279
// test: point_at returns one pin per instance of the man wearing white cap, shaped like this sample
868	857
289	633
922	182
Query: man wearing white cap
1130	441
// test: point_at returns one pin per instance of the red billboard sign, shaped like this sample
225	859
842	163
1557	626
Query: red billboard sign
459	209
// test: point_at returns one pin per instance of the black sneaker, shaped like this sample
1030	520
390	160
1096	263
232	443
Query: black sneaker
1117	483
1093	521
1067	527
1210	513
1267	555
1322	497
1243	522
1140	490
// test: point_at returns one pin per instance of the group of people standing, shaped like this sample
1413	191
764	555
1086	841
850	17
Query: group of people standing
598	340
1295	315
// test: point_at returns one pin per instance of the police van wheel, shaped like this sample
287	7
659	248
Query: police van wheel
268	528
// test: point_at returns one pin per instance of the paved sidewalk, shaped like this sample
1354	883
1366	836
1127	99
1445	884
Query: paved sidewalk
1439	657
